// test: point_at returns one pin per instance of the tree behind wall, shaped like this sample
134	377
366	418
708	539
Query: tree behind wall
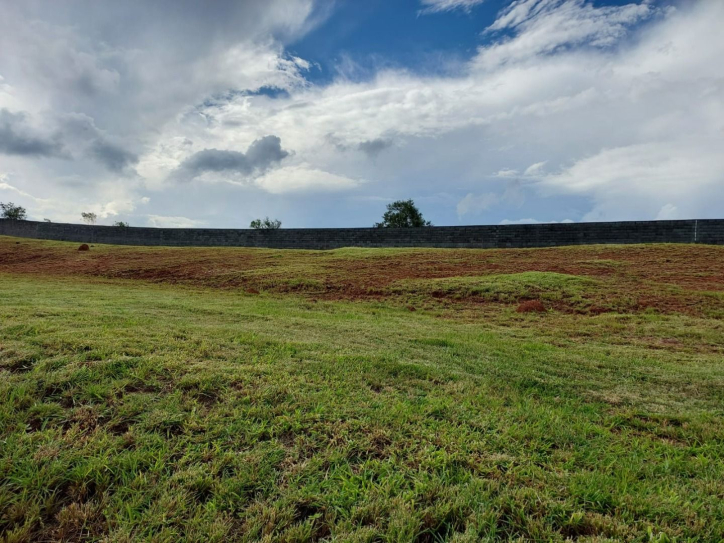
402	214
265	224
89	218
11	211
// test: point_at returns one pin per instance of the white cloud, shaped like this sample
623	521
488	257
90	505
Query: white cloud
476	203
113	83
436	6
159	221
646	177
543	26
668	212
115	208
413	106
507	172
533	221
133	65
303	178
111	203
535	169
8	187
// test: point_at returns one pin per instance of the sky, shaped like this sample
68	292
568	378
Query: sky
179	113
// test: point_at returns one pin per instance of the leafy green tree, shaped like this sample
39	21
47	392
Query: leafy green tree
11	211
89	218
121	224
265	224
402	214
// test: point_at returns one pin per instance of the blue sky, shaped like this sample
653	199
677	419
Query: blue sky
377	33
320	112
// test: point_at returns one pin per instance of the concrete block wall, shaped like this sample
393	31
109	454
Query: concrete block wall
709	231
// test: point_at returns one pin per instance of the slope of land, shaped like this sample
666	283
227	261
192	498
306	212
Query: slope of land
361	395
667	278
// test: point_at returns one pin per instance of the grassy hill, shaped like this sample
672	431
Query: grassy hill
181	394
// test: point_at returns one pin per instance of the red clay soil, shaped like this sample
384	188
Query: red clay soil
531	306
635	278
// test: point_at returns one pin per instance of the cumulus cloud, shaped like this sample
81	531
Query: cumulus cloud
18	137
545	99
114	157
83	138
70	134
374	147
369	147
132	65
646	177
303	178
112	82
414	106
215	160
261	154
266	151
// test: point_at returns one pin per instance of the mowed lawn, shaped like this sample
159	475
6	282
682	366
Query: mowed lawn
155	394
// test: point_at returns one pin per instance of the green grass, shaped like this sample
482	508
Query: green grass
547	286
131	411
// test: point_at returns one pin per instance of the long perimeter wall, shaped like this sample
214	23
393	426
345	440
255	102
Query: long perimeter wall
710	231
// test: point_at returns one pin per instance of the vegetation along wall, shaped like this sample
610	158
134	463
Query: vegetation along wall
709	231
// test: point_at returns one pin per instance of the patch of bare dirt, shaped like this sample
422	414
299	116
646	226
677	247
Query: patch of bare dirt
531	306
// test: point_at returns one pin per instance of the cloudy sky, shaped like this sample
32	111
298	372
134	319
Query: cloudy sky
320	112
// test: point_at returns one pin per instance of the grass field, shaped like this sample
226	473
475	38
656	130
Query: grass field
361	394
